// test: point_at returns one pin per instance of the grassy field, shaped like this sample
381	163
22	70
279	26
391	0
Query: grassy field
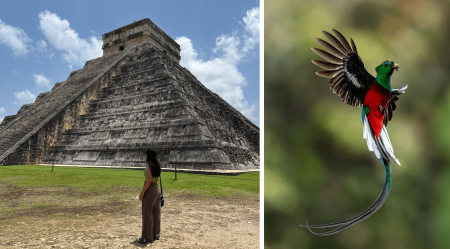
63	205
28	188
99	179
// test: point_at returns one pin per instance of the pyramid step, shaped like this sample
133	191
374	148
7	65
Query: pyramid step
148	101
34	117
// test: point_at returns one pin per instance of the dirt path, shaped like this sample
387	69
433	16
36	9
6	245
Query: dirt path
188	221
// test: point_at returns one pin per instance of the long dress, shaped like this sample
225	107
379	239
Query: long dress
151	213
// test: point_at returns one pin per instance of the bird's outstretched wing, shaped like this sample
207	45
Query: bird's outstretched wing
348	77
391	106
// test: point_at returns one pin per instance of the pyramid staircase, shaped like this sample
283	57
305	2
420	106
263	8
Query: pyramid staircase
145	101
128	101
14	131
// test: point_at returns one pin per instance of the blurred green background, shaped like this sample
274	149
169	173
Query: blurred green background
317	164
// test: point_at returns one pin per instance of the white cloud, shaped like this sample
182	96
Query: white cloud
42	82
15	38
16	73
252	22
75	51
24	97
252	27
41	46
2	110
221	74
252	112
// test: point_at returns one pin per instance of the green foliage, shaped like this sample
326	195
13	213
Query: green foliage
317	165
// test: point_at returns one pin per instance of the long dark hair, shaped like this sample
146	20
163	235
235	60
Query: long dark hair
153	163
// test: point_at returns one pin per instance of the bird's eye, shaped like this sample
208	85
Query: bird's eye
385	65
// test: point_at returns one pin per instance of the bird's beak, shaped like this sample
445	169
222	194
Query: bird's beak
395	66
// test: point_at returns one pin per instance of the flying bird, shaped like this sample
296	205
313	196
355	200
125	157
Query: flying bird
356	87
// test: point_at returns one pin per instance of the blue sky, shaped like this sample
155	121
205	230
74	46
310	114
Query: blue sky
41	42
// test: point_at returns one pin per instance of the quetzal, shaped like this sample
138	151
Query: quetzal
356	87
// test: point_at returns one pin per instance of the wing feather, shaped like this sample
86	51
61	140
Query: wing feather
332	50
345	69
329	74
335	42
327	56
354	46
326	65
343	41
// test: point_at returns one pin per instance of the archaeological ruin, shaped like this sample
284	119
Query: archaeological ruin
133	98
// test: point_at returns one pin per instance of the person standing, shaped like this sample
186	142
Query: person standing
150	197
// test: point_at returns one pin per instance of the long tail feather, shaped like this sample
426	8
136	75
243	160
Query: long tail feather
378	202
362	216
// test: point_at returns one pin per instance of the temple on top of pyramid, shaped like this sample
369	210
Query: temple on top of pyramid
137	33
136	97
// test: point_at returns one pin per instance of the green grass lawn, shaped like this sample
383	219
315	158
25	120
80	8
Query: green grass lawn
28	190
101	179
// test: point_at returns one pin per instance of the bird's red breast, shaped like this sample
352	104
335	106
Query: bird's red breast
376	96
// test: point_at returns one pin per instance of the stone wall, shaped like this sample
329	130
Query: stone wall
145	107
140	32
144	100
225	122
29	137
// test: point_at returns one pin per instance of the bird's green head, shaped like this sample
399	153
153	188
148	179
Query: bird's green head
387	67
384	72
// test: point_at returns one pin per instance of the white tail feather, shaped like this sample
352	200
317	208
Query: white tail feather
383	143
386	142
368	135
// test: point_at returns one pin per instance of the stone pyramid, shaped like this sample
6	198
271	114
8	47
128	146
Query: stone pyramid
133	98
